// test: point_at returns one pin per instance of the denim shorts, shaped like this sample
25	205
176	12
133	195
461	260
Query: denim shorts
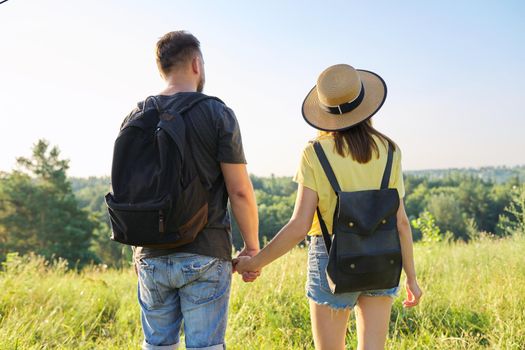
317	288
184	287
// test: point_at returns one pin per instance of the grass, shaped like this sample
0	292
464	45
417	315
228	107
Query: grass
474	299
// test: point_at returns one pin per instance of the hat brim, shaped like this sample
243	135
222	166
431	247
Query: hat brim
375	95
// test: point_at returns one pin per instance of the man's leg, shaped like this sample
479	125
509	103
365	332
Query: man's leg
204	302
160	305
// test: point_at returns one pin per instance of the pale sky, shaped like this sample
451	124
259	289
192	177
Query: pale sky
70	71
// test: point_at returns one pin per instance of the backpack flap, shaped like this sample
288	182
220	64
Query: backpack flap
364	212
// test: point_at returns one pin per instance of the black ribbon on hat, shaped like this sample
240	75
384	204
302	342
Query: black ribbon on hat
347	106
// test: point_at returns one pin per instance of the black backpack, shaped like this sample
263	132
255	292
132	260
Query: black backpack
158	199
365	253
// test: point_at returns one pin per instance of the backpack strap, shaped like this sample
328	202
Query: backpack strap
185	109
388	168
324	230
335	185
181	110
326	167
194	102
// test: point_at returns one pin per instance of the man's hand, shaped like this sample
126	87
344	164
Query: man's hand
247	276
242	264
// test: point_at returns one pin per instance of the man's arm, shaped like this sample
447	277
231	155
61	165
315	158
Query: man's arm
242	198
243	204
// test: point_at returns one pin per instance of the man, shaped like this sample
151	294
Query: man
191	283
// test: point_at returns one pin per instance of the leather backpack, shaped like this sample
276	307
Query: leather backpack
365	252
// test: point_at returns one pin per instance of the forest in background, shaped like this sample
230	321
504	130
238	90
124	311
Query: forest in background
44	211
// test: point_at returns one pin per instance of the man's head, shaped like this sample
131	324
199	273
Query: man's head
178	55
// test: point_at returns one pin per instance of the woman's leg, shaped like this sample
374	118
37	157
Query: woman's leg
328	326
372	318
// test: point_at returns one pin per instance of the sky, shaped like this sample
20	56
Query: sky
70	71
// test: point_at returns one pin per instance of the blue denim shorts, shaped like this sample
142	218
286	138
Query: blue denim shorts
317	288
184	287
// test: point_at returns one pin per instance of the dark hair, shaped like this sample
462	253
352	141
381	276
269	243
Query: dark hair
358	141
174	49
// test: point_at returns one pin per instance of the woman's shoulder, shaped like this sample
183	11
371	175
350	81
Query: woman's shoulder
326	142
322	139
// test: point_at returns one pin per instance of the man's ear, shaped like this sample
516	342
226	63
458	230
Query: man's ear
195	64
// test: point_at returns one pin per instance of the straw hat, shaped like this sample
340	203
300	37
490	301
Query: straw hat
343	97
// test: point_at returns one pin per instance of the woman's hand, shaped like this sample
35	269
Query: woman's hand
414	293
242	265
247	276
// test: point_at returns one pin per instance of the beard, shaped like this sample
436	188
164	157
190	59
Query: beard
200	84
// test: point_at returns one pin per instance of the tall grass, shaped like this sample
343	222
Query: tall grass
474	299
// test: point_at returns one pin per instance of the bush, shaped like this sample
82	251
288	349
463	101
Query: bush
426	224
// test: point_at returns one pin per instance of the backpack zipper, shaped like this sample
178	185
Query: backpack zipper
161	221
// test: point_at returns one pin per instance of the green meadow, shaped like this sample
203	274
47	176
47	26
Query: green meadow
474	299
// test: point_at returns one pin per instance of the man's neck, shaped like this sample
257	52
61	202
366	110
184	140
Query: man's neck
178	86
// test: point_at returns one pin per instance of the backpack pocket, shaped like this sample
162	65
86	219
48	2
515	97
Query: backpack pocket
135	223
351	264
365	272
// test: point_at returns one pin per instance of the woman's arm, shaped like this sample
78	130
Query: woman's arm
291	234
405	236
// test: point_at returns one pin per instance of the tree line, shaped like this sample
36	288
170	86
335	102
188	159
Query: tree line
45	212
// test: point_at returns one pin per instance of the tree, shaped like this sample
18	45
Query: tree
416	200
448	214
39	212
275	200
513	219
90	196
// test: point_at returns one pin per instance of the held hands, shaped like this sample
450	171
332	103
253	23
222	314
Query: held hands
242	264
239	265
414	293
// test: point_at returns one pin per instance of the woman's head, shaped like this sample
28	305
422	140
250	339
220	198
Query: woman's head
342	103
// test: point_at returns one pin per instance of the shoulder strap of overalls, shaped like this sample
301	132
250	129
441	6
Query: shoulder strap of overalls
388	168
335	185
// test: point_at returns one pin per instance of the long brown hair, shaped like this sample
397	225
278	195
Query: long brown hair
358	141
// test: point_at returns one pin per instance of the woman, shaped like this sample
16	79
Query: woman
340	106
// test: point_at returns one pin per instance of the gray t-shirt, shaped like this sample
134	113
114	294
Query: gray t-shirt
215	138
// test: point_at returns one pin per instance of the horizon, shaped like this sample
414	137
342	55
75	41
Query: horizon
405	171
453	101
